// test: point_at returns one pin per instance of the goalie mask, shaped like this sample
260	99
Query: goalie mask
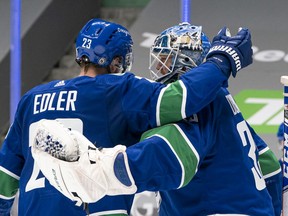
101	42
176	50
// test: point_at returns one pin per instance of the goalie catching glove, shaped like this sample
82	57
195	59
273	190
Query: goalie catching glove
234	49
76	168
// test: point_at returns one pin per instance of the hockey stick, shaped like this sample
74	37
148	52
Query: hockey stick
284	81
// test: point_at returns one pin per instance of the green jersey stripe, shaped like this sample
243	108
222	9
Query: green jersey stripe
180	146
268	163
111	213
179	160
171	103
9	184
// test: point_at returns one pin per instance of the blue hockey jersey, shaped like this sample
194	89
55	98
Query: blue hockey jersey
219	151
109	110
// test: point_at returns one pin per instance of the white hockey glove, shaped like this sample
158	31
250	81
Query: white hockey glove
76	168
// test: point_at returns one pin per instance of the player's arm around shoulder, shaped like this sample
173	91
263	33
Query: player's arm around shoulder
173	149
163	104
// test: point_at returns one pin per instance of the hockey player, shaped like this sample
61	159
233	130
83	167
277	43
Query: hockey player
216	148
108	106
169	46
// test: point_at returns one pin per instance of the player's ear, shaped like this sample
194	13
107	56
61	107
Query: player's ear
116	65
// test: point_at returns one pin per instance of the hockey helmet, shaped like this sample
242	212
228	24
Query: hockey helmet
99	42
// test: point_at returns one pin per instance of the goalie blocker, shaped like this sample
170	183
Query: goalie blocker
91	174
